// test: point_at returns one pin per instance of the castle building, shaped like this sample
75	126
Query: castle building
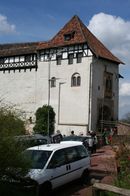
73	72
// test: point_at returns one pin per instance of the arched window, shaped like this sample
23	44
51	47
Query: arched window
75	80
53	82
78	80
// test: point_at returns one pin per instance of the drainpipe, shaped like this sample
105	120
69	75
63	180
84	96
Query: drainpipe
59	100
90	98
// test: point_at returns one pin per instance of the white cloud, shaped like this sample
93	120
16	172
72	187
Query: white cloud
125	89
114	32
5	26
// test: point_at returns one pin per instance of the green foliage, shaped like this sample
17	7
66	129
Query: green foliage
41	125
12	163
123	179
10	123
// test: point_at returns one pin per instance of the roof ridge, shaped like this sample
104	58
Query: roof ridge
80	22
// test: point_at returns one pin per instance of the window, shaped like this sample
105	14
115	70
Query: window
38	158
58	59
69	36
71	154
28	58
108	84
11	59
79	57
70	58
53	82
82	152
2	60
57	160
75	80
78	80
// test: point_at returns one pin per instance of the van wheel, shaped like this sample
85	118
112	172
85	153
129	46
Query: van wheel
85	178
45	189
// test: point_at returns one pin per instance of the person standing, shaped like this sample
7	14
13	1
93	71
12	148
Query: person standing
95	141
90	142
104	136
72	133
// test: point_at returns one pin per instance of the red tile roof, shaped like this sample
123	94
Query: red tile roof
81	35
17	49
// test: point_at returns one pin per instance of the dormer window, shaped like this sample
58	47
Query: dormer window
69	36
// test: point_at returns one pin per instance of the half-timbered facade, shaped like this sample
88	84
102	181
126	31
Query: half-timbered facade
73	72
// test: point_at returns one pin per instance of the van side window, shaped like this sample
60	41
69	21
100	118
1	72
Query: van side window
82	152
71	154
58	159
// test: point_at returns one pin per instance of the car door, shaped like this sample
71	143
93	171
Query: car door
78	161
58	169
73	163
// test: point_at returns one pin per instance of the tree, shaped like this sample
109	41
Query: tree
41	125
12	162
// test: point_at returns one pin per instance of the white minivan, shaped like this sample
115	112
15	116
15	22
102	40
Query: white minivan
56	164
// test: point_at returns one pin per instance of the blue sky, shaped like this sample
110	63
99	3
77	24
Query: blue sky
40	20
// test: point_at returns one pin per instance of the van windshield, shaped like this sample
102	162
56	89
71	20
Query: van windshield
38	158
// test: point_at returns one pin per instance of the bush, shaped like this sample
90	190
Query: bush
123	179
10	123
41	125
13	165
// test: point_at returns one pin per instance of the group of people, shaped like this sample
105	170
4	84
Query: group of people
92	141
108	134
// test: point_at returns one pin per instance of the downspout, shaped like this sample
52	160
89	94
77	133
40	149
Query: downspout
117	95
90	98
59	105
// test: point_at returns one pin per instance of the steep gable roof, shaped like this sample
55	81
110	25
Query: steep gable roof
81	35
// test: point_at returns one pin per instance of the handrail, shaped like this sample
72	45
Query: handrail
98	187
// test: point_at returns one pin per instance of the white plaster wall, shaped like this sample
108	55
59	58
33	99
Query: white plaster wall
73	113
26	91
98	68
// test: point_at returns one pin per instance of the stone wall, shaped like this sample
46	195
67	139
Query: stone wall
123	128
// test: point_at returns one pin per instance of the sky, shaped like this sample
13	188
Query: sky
40	20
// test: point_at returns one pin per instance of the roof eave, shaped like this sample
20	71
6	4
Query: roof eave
112	60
